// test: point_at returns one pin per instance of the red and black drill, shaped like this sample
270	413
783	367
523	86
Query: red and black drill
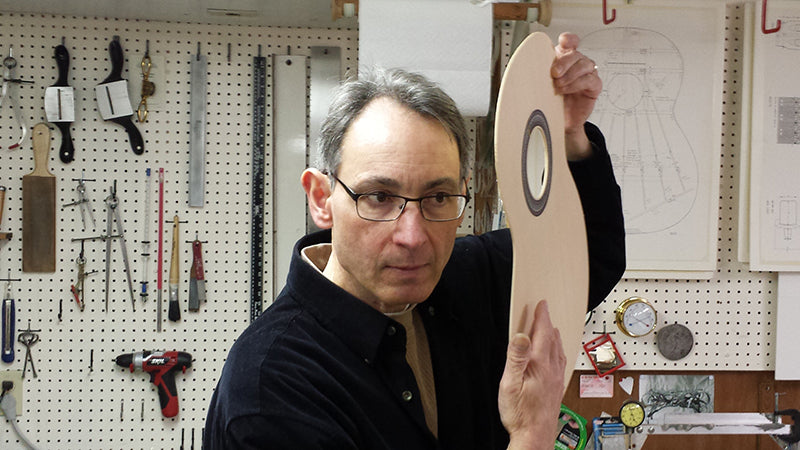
161	366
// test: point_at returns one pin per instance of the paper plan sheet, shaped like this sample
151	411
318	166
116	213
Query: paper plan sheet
775	144
660	112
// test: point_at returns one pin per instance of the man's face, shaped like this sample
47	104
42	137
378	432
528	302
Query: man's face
391	149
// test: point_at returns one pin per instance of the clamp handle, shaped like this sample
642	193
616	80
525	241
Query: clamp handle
794	436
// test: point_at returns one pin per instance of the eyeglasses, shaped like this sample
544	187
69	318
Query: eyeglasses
383	207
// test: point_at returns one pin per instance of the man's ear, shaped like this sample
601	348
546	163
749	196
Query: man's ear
318	191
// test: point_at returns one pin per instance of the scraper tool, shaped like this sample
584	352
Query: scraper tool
113	101
59	105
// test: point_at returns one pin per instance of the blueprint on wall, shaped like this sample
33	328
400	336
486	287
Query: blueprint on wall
660	112
775	144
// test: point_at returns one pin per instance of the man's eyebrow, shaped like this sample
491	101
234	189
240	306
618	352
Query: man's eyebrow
446	182
442	182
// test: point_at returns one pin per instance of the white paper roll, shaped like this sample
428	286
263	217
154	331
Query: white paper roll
787	364
448	41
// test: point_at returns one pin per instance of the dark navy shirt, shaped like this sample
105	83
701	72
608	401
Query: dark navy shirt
321	369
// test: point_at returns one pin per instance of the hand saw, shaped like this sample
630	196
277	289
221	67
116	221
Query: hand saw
113	101
59	105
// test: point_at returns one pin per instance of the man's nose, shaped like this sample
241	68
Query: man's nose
410	227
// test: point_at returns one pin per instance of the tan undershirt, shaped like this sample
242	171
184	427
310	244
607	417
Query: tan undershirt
418	353
418	356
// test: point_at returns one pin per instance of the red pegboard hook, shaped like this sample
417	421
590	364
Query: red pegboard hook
606	20
764	20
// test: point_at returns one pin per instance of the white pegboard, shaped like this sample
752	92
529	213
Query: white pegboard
731	315
68	406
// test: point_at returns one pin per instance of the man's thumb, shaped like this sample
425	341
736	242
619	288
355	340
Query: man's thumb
518	350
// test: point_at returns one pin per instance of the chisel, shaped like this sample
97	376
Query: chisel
197	282
8	326
3	235
174	313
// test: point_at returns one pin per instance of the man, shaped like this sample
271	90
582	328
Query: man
390	332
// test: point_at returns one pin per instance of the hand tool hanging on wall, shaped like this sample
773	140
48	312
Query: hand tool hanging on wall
148	88
197	136
174	313
28	337
197	281
9	311
113	216
113	101
39	208
77	289
3	235
59	105
83	202
6	94
160	262
145	238
257	201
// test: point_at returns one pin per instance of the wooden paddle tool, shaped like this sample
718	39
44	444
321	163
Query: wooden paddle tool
39	208
540	198
113	101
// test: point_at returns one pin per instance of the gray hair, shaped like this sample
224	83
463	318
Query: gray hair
409	89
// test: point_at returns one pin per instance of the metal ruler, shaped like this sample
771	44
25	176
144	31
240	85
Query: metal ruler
197	136
325	77
288	215
257	204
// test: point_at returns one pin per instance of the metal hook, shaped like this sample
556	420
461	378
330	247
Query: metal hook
764	20
606	20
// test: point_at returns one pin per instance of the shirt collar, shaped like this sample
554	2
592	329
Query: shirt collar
360	326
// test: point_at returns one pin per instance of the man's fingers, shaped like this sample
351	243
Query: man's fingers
518	353
557	351
568	41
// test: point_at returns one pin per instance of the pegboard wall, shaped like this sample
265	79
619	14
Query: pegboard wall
80	398
732	314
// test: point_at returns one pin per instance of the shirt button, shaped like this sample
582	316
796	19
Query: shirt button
431	311
407	396
391	330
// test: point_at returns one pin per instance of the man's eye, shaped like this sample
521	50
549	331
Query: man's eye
378	197
440	197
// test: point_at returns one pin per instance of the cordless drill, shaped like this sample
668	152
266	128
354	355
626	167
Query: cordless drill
161	366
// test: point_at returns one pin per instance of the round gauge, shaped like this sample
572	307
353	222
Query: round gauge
636	317
674	341
631	414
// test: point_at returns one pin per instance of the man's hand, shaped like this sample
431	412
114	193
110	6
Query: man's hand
575	78
533	384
